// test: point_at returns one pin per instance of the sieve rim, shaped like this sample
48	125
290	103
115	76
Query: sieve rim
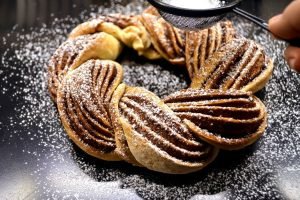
186	12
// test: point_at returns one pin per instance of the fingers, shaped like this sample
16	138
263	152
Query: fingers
287	24
292	55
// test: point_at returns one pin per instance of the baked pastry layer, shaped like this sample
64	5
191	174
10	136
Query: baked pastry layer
240	64
202	44
75	52
229	119
156	137
166	39
83	99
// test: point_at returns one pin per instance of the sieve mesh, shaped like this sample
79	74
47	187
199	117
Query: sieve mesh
190	23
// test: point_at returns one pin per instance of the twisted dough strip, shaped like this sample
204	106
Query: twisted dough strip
127	29
72	53
240	64
202	44
82	102
166	39
179	135
230	120
157	138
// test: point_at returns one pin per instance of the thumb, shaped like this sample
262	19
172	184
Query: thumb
287	24
281	28
292	55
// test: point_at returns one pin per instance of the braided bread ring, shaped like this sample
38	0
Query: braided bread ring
180	134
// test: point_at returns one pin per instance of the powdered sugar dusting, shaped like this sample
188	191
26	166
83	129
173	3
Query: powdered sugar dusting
34	143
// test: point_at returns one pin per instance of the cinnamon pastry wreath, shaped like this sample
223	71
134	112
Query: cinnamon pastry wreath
179	134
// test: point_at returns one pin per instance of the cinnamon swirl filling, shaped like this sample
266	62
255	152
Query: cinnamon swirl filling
201	44
240	64
151	128
166	39
226	119
74	52
83	99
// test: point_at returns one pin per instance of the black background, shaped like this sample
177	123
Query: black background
17	166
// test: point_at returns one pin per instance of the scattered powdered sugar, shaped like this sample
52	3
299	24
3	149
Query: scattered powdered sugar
49	166
160	78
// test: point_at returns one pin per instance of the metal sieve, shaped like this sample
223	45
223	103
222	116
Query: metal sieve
196	18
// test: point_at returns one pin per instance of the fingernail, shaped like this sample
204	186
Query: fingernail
275	19
292	62
272	22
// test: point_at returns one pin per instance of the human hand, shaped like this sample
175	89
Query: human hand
287	26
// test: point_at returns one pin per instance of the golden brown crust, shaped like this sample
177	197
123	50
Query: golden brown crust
226	119
82	102
260	81
127	29
240	64
107	23
74	52
152	11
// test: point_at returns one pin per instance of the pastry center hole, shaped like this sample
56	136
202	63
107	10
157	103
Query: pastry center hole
159	77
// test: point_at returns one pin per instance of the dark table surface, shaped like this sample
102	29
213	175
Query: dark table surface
37	161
